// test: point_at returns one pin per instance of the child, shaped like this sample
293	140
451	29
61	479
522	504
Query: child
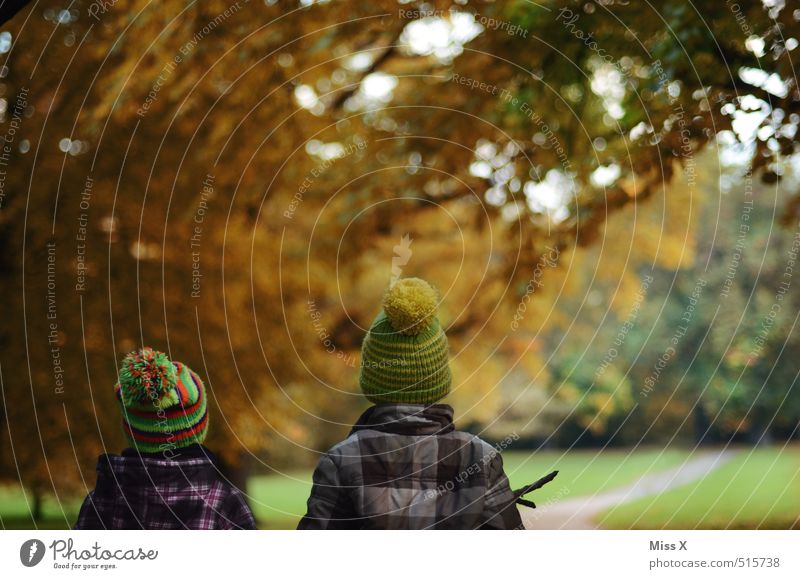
404	466
167	479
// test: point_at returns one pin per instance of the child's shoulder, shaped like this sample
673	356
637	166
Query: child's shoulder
375	440
346	446
479	445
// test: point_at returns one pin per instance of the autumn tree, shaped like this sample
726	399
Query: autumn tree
228	181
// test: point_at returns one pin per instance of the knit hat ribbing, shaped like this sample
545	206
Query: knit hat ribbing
404	357
163	402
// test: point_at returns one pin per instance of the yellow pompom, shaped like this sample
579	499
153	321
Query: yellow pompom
410	305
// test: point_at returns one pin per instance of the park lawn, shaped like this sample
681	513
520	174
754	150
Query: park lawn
585	472
759	488
279	500
14	513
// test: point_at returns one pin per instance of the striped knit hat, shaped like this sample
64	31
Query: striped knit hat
163	402
404	357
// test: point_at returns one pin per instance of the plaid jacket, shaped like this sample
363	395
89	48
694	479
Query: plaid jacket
404	466
146	491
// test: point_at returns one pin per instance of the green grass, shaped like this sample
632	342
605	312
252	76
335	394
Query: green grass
278	500
583	472
14	513
759	488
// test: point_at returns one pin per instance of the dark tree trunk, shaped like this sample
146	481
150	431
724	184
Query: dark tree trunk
701	424
237	473
760	434
9	8
36	508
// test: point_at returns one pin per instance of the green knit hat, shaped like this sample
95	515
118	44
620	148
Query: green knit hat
404	358
163	402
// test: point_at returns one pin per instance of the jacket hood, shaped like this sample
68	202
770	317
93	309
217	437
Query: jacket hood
133	469
407	419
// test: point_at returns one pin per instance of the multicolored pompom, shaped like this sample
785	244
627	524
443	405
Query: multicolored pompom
146	375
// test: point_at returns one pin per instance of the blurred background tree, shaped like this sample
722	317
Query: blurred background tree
249	176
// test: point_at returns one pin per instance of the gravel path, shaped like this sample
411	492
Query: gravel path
580	512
